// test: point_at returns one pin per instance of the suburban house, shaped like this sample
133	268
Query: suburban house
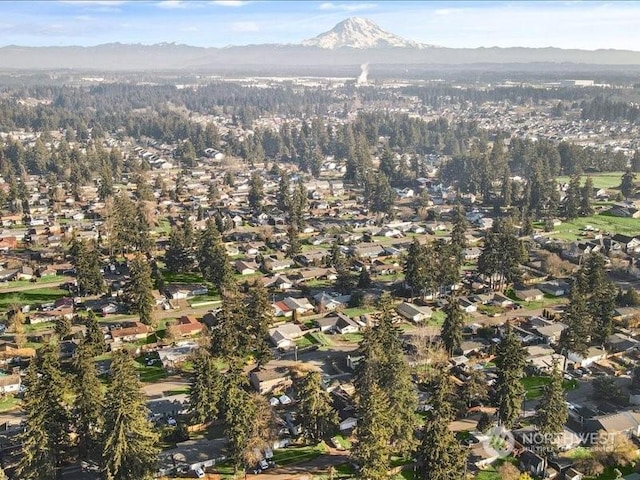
529	295
137	331
178	291
592	355
413	312
9	384
187	325
285	335
267	380
339	323
245	268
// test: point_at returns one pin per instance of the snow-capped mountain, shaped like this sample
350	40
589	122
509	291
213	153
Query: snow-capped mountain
359	33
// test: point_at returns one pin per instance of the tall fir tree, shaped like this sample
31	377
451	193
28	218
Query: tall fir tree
88	274
510	362
205	388
213	259
94	340
260	315
451	333
179	256
317	416
88	405
371	451
551	412
129	444
38	460
440	456
139	290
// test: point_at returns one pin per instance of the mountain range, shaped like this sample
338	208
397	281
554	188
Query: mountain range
353	41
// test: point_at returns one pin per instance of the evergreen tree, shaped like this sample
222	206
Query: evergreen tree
129	445
586	208
440	456
415	268
577	336
458	233
293	235
551	411
260	313
256	192
627	184
510	362
138	292
572	200
39	460
205	389
94	337
87	263
372	434
283	196
317	416
248	419
451	333
88	406
178	257
213	259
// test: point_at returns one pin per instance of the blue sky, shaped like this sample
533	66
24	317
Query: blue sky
566	24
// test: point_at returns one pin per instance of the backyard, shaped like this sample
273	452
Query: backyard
37	296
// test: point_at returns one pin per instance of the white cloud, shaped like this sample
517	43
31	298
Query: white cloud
230	3
170	4
244	27
448	11
99	3
347	7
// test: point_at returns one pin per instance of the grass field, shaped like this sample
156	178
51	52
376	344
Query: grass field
149	373
191	277
31	297
535	385
8	403
608	180
437	318
572	230
24	283
288	456
354	312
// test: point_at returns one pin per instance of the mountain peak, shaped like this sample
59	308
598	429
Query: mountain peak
358	32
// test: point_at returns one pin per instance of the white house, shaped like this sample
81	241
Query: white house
591	356
285	335
414	312
9	384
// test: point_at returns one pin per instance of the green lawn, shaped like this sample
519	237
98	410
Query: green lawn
305	341
572	230
343	442
535	385
191	277
204	299
24	283
437	318
608	180
149	373
288	456
321	338
31	297
8	403
355	312
350	337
